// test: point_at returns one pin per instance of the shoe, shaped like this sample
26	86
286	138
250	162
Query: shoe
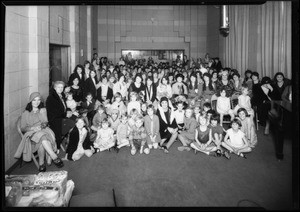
182	148
226	155
58	162
165	149
42	168
219	153
133	151
242	155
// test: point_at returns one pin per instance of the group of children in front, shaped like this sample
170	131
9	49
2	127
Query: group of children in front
138	127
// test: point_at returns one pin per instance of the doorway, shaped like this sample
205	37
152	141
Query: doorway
59	60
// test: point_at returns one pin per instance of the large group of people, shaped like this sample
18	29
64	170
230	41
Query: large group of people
146	105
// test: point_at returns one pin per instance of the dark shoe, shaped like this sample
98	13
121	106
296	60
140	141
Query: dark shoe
42	168
214	154
219	153
226	155
58	162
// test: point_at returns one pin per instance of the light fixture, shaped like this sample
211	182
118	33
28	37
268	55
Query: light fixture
224	21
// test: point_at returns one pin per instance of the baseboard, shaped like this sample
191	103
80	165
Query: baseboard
17	163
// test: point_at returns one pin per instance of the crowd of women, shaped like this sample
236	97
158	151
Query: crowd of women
147	105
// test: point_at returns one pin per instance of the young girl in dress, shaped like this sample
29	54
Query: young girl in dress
235	140
72	104
137	136
132	115
217	132
197	109
114	120
98	118
244	101
187	135
248	127
105	136
152	128
79	143
203	138
123	132
134	103
224	105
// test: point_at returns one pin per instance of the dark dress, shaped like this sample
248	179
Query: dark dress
89	86
286	82
166	120
73	142
148	93
56	113
262	101
109	94
133	88
77	94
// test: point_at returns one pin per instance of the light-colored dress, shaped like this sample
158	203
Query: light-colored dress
105	139
32	140
248	128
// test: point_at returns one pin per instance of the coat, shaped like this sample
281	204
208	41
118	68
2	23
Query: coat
109	94
89	86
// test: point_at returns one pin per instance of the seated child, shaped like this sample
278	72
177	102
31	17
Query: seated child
235	140
217	134
179	115
71	103
244	101
83	113
206	107
123	132
197	111
132	115
187	135
105	137
203	137
152	128
117	104
137	136
89	104
224	105
79	143
114	120
134	103
99	116
248	127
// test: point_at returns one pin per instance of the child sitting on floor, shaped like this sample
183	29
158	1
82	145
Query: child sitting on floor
123	132
152	128
187	135
79	143
137	136
235	140
203	138
99	116
105	137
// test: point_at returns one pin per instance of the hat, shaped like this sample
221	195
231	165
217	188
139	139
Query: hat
164	98
34	95
265	80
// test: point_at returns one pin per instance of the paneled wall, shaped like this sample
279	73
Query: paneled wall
26	66
28	32
150	27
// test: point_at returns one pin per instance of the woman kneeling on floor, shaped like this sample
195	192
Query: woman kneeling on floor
38	136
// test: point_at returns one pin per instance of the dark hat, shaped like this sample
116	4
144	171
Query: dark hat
164	98
179	75
266	80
